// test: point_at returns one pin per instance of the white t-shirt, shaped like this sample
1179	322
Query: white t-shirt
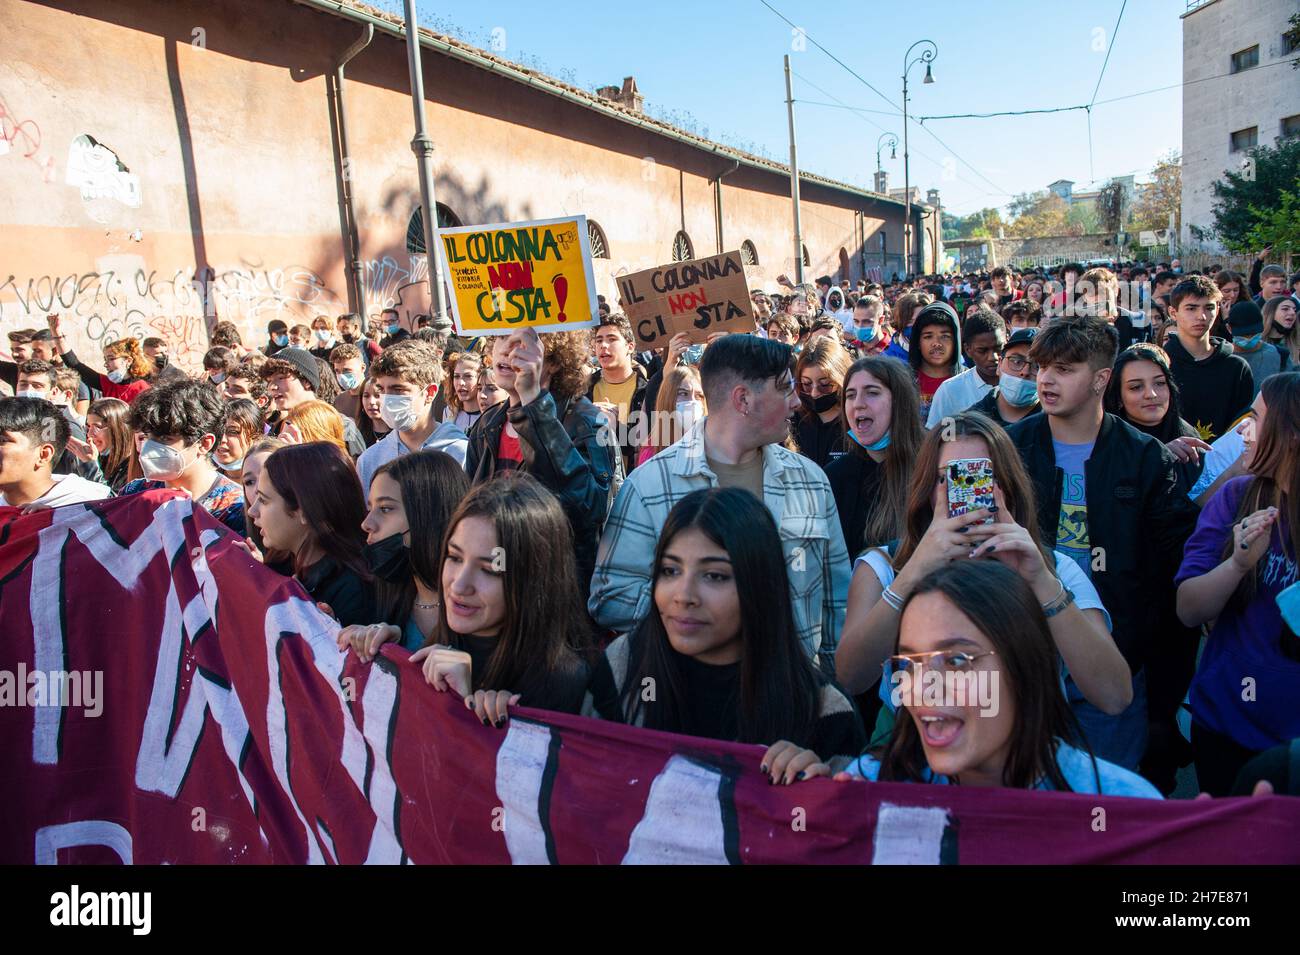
68	489
956	395
1069	573
1223	452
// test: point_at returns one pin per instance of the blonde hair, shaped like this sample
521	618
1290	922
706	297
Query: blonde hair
318	421
473	357
665	429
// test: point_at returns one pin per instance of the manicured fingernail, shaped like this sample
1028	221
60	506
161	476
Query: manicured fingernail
1245	546
763	768
962	530
992	547
486	721
993	507
500	723
800	775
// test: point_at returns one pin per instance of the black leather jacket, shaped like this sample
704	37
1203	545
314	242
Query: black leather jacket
570	450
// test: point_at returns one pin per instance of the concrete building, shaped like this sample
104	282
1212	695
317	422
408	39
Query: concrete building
169	163
1239	90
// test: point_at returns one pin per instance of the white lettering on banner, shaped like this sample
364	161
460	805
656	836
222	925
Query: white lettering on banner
521	773
908	835
300	618
683	821
88	832
379	714
46	600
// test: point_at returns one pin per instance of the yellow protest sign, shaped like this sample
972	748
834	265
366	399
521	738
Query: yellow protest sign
520	275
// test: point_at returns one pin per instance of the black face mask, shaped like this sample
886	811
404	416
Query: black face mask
820	404
389	559
349	338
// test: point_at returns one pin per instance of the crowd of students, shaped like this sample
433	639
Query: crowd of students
751	538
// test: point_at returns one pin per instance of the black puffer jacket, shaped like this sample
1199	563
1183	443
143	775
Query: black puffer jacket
570	450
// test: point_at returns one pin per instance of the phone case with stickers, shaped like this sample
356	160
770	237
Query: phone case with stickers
970	486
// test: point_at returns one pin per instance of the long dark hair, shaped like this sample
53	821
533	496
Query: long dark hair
885	519
546	630
1008	471
1275	470
1002	606
1170	426
778	685
317	479
116	415
433	485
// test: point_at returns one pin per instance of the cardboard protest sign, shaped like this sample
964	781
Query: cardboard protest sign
699	297
519	275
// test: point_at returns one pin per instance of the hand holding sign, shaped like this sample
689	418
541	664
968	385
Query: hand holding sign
526	358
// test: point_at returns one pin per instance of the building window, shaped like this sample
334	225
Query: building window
415	227
596	237
1244	139
748	254
1291	126
682	248
1290	43
1245	59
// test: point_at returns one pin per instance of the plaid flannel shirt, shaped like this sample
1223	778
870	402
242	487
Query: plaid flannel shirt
797	493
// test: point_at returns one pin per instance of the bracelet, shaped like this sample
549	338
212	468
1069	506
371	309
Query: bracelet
890	597
1059	602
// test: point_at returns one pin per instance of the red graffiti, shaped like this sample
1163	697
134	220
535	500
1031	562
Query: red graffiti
24	136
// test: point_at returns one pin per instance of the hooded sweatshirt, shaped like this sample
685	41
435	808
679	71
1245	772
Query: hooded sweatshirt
943	315
1216	390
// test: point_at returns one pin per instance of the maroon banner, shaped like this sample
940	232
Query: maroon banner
166	699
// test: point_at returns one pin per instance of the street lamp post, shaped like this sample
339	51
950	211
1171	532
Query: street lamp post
893	145
926	56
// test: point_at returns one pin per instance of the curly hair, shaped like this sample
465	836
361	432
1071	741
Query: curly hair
411	361
186	409
140	366
566	357
225	334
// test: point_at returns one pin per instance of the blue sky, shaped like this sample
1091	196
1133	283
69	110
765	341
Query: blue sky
718	67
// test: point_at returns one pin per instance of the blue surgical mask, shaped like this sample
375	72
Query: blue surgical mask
117	376
878	445
232	467
1019	392
394	328
281	340
1247	344
867	334
347	380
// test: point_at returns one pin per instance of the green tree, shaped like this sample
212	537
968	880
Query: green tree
1161	196
1278	227
1039	214
1267	173
1082	219
1110	206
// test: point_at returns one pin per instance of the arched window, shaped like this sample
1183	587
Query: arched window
415	227
748	254
596	236
682	248
807	261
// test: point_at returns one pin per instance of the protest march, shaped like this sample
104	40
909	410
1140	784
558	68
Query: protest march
473	542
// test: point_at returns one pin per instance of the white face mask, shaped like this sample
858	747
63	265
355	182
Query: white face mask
159	462
689	412
398	412
30	393
117	376
323	335
233	466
